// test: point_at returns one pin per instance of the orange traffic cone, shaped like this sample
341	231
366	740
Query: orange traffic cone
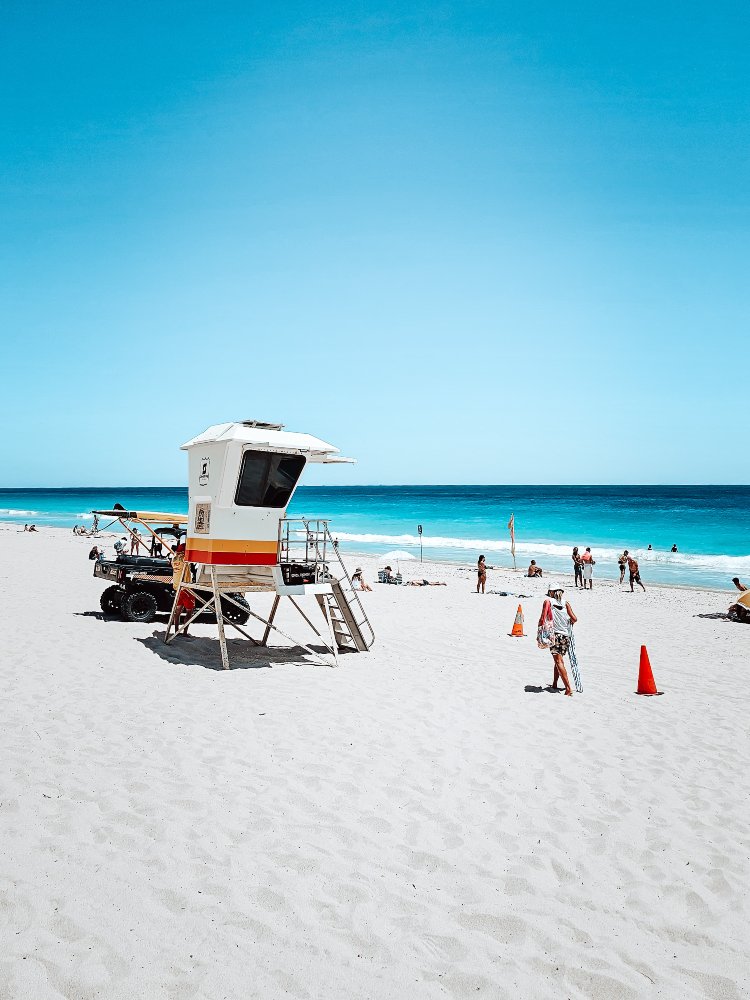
518	623
646	683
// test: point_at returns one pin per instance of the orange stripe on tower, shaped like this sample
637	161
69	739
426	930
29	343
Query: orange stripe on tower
231	558
231	552
232	544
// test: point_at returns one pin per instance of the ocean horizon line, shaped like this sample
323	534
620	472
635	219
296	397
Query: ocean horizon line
361	486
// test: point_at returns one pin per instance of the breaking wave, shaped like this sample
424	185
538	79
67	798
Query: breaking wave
699	561
10	512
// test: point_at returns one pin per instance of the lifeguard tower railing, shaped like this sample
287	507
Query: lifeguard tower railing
307	543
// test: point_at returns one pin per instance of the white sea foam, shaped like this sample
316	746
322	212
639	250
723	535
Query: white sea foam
709	561
10	512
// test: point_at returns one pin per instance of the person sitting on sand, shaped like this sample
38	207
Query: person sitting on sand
481	573
635	575
560	620
95	552
32	527
358	581
25	527
736	581
534	570
425	583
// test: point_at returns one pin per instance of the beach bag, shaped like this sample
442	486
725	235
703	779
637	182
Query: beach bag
545	633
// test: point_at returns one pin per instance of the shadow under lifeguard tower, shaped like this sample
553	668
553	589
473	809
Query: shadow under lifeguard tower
242	477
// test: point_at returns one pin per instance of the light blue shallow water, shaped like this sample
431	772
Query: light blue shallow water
709	524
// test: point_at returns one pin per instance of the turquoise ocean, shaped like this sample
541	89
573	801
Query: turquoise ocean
709	524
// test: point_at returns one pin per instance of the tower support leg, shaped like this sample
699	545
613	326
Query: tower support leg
219	620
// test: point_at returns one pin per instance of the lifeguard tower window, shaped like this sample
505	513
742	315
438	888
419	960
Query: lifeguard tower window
267	480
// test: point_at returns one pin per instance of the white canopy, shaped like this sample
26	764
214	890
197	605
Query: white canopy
269	437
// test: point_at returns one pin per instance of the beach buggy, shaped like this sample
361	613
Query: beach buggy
140	586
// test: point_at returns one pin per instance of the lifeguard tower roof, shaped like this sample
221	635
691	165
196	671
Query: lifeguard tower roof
272	437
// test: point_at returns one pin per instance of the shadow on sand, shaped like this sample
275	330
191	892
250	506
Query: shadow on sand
201	651
538	689
160	617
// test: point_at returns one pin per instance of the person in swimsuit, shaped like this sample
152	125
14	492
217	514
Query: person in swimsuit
635	575
481	573
534	570
622	562
358	581
738	585
577	568
588	568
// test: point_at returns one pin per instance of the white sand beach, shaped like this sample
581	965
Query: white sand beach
425	820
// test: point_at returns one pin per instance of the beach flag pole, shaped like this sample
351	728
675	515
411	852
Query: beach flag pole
512	530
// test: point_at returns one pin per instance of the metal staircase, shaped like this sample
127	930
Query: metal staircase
308	542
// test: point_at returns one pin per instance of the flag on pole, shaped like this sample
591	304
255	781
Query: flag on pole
512	530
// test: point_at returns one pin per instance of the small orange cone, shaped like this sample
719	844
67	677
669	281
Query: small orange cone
646	683
517	629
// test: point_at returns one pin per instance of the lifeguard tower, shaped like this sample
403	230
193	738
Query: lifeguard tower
242	477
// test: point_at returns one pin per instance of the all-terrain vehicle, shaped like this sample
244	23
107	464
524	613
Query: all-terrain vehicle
141	585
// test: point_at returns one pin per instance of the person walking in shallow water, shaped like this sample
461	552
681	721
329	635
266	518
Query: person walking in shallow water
481	573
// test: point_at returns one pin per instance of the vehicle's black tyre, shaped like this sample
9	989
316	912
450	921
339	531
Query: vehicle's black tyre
231	613
139	606
110	601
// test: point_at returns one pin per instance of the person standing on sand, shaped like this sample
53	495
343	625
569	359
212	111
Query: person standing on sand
558	618
622	562
577	568
588	568
635	574
481	573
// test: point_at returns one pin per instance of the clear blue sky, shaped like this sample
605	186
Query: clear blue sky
466	242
